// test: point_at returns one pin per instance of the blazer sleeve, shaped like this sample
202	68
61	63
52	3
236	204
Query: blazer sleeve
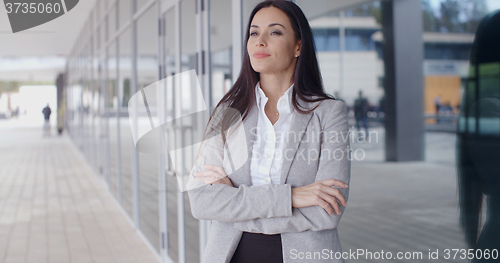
229	204
335	138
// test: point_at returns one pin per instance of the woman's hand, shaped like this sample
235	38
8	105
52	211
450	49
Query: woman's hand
215	175
320	193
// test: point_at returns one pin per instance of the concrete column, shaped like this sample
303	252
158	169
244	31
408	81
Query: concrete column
404	92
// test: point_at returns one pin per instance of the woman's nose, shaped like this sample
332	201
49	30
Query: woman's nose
260	42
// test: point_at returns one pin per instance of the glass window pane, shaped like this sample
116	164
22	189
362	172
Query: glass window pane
112	22
141	3
147	70
489	99
172	188
489	69
98	11
169	43
220	49
126	141
188	62
470	103
488	87
103	35
87	110
101	121
188	36
113	119
96	153
124	15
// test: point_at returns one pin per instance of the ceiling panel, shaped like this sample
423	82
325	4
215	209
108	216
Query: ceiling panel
55	37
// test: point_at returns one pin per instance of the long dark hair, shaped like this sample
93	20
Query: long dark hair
307	77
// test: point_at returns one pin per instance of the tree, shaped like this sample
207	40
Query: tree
370	9
474	12
462	15
431	22
450	11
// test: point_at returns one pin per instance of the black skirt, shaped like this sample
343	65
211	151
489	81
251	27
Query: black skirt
257	247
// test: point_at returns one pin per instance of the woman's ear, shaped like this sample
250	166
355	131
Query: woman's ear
298	47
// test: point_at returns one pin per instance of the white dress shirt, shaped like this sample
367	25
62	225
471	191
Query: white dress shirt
269	140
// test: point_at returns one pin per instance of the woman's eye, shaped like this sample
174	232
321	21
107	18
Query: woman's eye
276	33
253	33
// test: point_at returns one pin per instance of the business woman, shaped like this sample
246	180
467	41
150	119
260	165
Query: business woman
284	201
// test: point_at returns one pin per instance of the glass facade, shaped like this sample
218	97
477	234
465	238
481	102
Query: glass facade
126	143
220	49
355	39
126	45
147	73
447	51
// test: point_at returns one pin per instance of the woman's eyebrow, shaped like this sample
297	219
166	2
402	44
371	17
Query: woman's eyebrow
270	25
276	24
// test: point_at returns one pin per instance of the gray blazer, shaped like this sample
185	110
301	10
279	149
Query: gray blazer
308	234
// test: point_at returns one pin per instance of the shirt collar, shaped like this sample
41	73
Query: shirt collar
262	99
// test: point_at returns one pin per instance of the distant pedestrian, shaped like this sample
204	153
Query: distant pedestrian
361	107
46	126
439	107
437	104
380	110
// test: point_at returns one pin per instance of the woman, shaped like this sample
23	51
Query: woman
285	201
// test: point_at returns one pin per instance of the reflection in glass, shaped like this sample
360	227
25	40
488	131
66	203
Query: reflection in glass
220	49
126	142
95	112
124	15
141	3
112	106
112	22
188	62
478	152
102	136
478	116
87	116
147	65
172	189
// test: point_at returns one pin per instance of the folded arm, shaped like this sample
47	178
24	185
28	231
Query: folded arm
229	204
334	163
224	203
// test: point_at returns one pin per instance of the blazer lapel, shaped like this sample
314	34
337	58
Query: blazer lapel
250	123
297	127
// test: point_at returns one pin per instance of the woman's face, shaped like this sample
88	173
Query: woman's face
272	45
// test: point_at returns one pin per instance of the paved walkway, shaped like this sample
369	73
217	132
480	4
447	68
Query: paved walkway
405	206
53	209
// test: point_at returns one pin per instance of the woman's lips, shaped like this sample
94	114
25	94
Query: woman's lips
260	55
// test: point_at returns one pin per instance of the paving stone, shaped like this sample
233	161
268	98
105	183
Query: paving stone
54	209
